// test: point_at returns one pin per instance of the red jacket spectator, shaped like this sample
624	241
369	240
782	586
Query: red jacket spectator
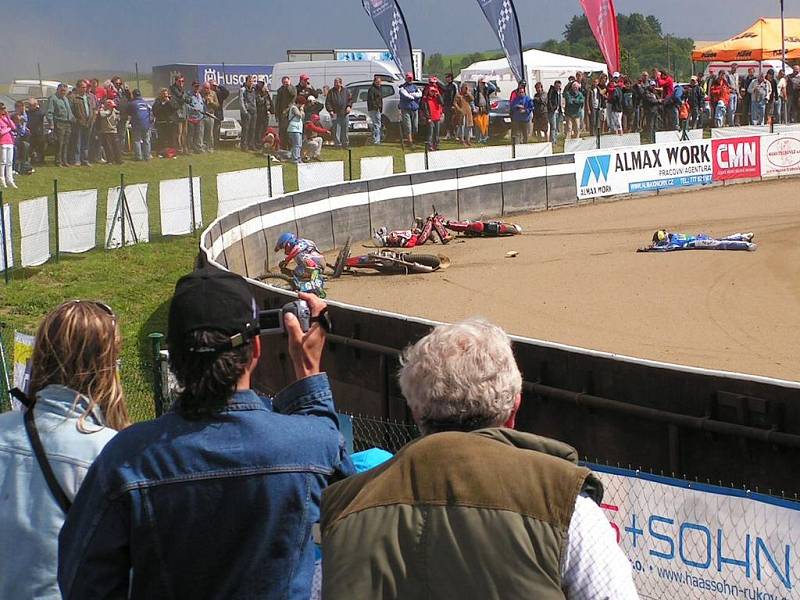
667	85
432	103
314	129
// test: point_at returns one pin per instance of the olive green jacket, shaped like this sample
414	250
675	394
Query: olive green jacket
455	516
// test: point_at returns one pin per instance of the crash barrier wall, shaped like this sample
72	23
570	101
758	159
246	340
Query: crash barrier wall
749	130
657	413
656	167
242	240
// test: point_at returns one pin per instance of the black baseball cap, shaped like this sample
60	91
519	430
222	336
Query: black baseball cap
210	299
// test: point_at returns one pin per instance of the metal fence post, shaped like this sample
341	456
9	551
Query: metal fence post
158	388
513	146
55	204
120	199
4	239
350	164
191	200
269	174
5	400
427	163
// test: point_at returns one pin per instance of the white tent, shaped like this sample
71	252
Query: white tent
539	66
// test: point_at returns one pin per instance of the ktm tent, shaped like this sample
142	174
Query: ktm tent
762	41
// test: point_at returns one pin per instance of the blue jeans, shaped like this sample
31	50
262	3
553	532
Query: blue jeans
248	130
555	125
296	143
81	133
433	134
141	143
757	110
778	112
375	115
732	105
410	122
340	130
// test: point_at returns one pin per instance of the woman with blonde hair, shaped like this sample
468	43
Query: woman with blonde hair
75	406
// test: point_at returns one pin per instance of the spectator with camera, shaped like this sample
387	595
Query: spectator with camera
75	406
166	117
496	513
217	498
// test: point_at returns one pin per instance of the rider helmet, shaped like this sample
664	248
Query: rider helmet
660	236
284	240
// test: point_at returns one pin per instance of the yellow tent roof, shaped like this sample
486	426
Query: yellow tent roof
762	41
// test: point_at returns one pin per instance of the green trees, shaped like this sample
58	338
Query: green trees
643	45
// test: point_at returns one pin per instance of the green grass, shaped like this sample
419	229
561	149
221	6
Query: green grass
137	281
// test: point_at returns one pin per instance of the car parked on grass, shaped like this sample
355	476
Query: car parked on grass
499	118
230	130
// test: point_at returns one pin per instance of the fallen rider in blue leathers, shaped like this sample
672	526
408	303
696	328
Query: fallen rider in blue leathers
664	241
308	260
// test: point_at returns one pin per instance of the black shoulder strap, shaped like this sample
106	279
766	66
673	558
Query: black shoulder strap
41	456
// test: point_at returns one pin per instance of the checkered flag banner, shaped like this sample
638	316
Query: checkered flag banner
388	19
502	17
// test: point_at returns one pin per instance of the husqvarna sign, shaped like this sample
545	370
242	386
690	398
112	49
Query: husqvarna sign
642	168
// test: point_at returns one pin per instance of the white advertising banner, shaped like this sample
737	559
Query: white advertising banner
319	174
749	130
6	247
642	168
468	157
690	540
34	232
176	200
780	154
237	189
377	166
77	221
133	223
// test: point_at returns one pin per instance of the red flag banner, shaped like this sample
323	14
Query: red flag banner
603	21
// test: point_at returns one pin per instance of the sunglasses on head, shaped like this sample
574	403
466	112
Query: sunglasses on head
102	306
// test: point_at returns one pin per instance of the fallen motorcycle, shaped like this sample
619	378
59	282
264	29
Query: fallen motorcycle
387	261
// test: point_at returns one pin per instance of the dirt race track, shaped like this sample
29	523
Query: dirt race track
578	280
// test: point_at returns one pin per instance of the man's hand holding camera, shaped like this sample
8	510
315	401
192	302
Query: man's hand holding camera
305	347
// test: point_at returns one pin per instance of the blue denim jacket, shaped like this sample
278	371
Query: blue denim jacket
30	517
212	508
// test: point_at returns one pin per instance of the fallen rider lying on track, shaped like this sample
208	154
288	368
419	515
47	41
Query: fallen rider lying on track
664	241
483	228
308	260
422	232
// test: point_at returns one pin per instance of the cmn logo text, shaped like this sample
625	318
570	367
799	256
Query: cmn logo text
596	166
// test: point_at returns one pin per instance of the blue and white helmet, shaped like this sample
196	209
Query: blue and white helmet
284	239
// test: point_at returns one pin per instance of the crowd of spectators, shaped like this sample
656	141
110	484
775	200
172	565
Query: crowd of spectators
103	123
225	495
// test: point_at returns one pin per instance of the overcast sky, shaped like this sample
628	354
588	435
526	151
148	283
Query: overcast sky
67	35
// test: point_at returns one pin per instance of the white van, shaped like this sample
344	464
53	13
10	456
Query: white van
323	72
22	89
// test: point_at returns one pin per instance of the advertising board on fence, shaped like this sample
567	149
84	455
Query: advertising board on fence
690	540
736	158
780	154
23	351
642	168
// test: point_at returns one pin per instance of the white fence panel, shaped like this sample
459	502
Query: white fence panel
572	145
77	221
663	137
34	228
176	199
136	200
313	175
6	247
534	150
744	131
377	166
237	189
